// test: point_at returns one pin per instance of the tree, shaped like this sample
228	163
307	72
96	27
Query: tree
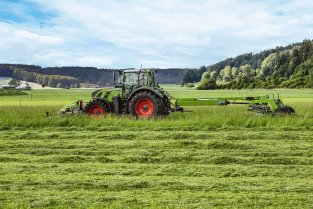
246	71
59	85
14	82
202	69
311	78
295	59
205	75
44	80
192	76
213	75
268	65
207	84
306	49
76	85
227	75
234	72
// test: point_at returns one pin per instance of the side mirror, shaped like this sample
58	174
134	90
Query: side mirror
114	78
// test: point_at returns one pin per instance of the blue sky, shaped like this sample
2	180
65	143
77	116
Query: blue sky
158	33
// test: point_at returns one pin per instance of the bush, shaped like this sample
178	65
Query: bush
207	84
190	85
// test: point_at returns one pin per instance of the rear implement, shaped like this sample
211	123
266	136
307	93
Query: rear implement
268	104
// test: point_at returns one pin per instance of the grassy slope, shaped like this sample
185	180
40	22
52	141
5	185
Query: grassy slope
215	156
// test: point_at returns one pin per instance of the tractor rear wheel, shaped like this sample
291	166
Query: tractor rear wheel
95	108
145	105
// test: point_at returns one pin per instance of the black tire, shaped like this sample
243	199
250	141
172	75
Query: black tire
166	106
116	105
290	110
145	96
108	106
96	108
285	110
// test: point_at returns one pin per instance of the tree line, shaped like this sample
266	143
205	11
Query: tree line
27	74
282	67
73	76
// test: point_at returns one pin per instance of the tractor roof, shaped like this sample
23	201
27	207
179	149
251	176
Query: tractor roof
135	70
131	71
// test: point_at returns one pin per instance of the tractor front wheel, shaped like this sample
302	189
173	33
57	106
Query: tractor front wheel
145	105
95	108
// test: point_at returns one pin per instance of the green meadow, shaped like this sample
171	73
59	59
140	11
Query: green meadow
212	157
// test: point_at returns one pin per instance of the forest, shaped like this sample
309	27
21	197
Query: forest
282	67
73	76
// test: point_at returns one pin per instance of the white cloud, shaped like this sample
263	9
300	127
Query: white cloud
36	38
159	33
67	58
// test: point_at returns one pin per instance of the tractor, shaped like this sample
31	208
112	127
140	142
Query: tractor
137	93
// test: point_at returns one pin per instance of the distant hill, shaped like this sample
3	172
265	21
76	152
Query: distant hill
283	67
73	76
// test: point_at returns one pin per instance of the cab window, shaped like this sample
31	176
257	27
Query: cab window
131	78
142	79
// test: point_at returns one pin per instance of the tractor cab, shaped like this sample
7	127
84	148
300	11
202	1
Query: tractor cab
130	80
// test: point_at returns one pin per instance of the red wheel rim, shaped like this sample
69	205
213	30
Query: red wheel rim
144	108
96	110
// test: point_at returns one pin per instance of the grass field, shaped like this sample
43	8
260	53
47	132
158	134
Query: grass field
224	157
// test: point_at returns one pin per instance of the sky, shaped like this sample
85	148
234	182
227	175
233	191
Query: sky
158	33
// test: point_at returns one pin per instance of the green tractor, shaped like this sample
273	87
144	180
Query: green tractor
136	93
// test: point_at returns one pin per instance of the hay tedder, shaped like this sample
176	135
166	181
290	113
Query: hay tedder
137	93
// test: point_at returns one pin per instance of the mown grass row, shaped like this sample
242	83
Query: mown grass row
139	147
120	169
